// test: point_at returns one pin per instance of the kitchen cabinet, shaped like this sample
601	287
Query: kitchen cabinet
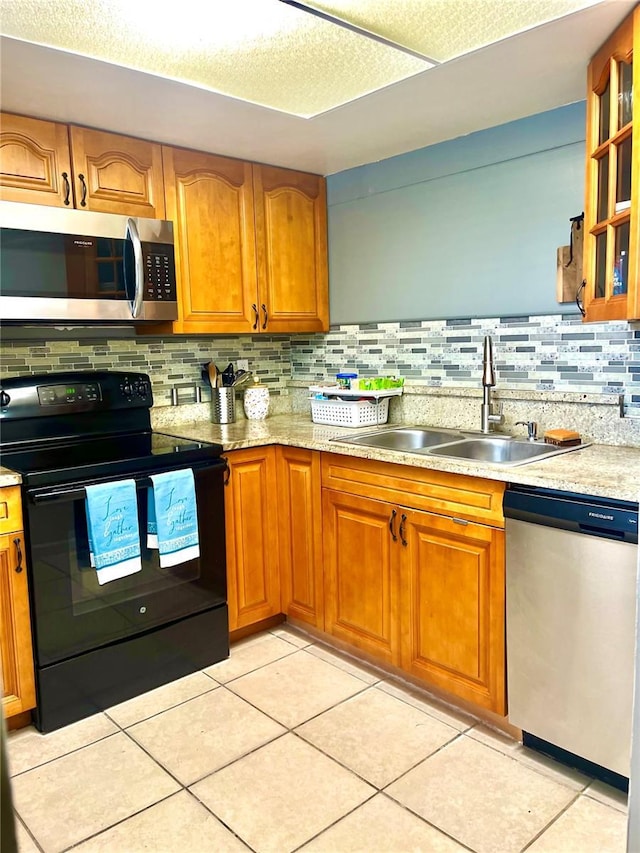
291	240
253	583
67	166
361	574
414	572
299	503
18	684
612	204
251	245
210	200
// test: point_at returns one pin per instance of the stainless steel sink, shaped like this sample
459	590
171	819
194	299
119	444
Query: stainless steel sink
454	444
499	450
407	439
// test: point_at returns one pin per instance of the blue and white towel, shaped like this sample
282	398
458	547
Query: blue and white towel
114	535
173	510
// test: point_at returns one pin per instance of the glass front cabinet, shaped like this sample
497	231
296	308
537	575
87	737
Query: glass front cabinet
612	205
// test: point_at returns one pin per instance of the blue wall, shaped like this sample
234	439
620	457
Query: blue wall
465	228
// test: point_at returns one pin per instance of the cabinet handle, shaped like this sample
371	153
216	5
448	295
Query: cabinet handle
266	316
83	200
254	308
579	303
16	542
392	522
227	471
401	531
67	188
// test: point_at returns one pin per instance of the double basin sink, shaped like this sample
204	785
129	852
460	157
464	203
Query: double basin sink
500	450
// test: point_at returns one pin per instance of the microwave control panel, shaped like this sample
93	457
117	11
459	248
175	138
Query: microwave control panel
159	273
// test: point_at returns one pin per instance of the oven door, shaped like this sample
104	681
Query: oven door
72	613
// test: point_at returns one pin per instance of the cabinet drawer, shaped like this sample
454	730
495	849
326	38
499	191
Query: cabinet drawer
10	509
456	495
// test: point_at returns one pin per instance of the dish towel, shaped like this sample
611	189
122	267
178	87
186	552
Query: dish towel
173	511
112	524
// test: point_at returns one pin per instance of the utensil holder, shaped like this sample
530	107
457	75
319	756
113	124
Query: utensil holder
223	405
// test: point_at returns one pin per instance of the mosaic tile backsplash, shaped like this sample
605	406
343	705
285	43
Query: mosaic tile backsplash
171	362
551	352
542	353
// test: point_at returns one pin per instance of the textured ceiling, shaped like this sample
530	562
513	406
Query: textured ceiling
272	54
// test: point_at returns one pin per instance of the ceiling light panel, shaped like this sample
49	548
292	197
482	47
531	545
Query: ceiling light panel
444	29
261	51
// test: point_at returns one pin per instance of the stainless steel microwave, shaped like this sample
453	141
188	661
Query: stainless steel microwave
74	265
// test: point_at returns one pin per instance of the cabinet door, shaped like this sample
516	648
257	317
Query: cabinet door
19	693
453	606
300	530
612	204
253	585
35	166
117	174
361	573
210	200
291	226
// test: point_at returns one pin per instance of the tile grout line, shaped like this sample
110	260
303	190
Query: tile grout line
551	822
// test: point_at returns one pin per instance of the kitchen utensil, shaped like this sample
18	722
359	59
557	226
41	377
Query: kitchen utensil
243	377
228	376
214	375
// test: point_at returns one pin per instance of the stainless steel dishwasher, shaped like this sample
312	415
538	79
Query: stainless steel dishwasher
571	610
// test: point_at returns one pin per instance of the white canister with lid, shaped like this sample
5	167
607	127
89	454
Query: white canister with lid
256	401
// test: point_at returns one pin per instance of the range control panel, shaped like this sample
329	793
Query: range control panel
160	281
83	391
69	394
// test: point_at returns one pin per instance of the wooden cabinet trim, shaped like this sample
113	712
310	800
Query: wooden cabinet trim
458	495
10	509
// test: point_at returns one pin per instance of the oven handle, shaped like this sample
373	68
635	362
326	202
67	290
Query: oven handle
77	492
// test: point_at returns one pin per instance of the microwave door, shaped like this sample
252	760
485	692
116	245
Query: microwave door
133	268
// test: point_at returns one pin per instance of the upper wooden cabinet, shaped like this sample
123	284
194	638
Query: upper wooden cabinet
35	162
291	234
251	245
47	163
117	174
612	204
210	200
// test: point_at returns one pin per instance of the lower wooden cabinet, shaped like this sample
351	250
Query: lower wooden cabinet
417	589
361	574
300	534
452	605
18	684
405	564
251	528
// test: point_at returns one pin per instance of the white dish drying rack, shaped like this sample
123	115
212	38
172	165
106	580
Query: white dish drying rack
351	408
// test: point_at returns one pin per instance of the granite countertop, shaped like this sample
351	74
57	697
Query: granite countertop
601	469
9	478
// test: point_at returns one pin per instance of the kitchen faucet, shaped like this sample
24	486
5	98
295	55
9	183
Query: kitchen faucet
491	413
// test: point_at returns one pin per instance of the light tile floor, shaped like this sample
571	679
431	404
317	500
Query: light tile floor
287	746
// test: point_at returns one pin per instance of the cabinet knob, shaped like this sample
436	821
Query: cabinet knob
401	531
67	188
83	200
392	522
18	545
